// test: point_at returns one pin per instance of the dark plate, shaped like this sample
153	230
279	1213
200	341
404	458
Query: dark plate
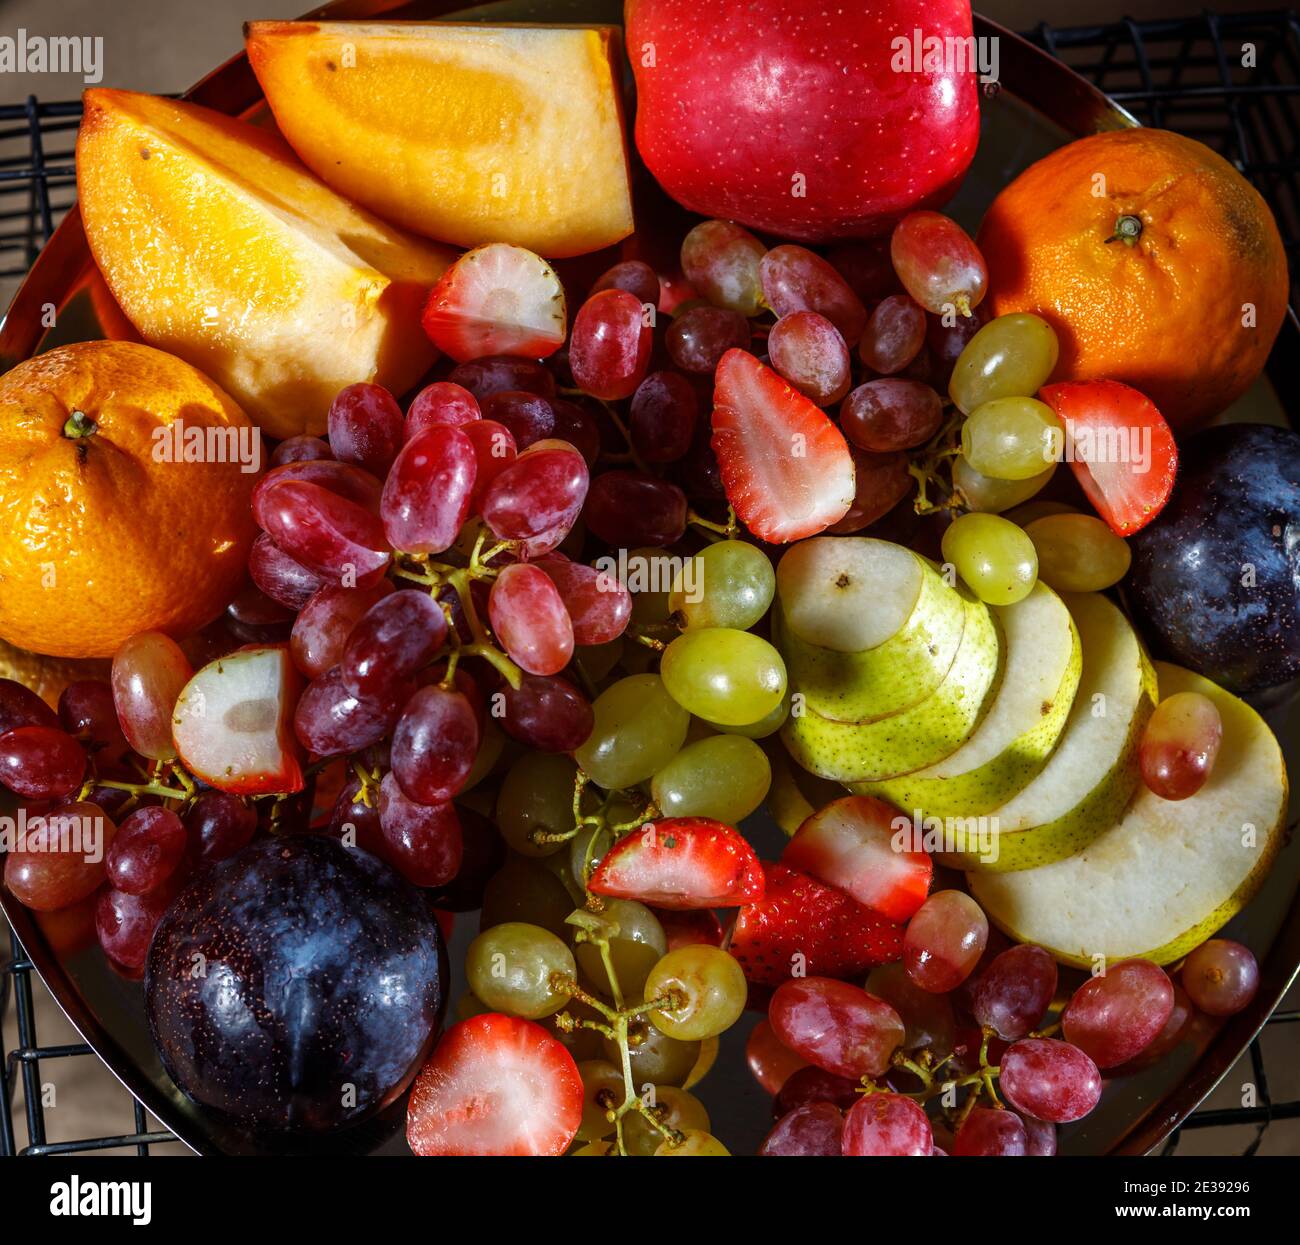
1040	105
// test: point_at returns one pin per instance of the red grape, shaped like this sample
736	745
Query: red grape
609	346
548	714
41	762
866	268
146	850
397	636
990	1132
880	482
543	489
1040	1137
494	450
20	706
300	449
1175	1029
320	632
347	480
722	261
125	923
329	719
887	1124
927	1018
813	1084
771	1062
434	744
1115	1015
87	712
944	940
938	263
891	414
530	418
634	276
1221	977
633	509
577	425
795	279
421	841
836	1025
699	337
661	422
598	604
149	672
218	825
809	352
1049	1080
356	823
894	334
279	576
1014	992
59	859
365	426
427	494
530	620
947	336
810	1131
483	852
1180	745
325	532
497	373
257	618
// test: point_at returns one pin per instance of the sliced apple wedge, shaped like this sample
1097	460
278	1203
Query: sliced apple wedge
897	673
224	250
1016	736
1092	773
1169	873
470	133
922	735
233	722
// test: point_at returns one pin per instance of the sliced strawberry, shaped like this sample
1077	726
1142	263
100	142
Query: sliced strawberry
233	722
495	1085
681	862
850	844
496	299
1119	447
802	925
785	467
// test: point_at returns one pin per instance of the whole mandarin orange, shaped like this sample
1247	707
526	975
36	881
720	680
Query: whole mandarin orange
1154	260
105	530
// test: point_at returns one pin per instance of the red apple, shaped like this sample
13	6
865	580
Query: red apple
809	120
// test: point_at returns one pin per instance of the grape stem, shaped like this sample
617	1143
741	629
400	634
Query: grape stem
924	467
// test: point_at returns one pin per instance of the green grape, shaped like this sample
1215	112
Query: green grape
536	795
509	968
767	725
1012	438
581	1043
724	776
585	852
698	1145
1036	509
602	1091
524	890
723	675
489	753
1010	357
592	1150
729	584
649	578
638	729
708	987
655	1057
994	557
636	944
597	660
989	496
1078	553
673	1108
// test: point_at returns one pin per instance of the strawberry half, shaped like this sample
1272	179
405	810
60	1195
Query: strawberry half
495	1085
1119	447
681	862
802	917
785	467
850	844
496	299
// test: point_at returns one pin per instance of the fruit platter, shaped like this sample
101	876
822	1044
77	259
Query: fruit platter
651	579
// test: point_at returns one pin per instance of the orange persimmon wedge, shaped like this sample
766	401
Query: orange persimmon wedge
469	133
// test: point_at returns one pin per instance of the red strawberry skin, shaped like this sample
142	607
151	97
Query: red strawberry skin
1105	416
785	466
681	863
801	917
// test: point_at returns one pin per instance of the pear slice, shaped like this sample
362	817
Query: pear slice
916	737
880	681
1092	773
1170	872
1021	728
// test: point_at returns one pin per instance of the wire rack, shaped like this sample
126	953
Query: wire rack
1231	81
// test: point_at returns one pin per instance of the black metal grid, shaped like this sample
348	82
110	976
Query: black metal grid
1187	74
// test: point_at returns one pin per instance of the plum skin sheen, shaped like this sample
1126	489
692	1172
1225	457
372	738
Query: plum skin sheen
1236	502
290	972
